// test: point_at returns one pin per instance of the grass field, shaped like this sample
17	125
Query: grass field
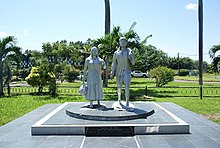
206	78
18	105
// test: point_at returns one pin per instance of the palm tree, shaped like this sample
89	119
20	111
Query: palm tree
107	17
109	43
107	31
7	48
216	59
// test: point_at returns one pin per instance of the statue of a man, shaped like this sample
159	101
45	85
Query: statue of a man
123	58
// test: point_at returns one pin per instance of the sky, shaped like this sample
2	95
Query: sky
172	23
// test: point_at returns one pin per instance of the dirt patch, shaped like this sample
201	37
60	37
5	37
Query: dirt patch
212	116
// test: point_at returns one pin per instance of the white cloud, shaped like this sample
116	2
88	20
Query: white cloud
26	33
4	34
191	6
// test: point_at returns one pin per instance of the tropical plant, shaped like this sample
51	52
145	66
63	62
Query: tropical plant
183	72
109	43
61	53
162	75
11	62
70	73
39	77
215	59
149	57
7	48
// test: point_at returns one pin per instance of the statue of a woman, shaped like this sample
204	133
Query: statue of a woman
94	82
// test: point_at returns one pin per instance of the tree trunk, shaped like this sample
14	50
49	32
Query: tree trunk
52	87
40	90
1	78
107	17
9	89
107	31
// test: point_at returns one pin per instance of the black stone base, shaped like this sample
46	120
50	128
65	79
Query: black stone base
110	131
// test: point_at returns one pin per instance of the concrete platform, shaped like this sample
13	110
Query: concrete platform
203	134
58	123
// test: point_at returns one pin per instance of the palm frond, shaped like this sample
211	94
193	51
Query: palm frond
132	26
215	62
213	50
9	50
145	40
7	40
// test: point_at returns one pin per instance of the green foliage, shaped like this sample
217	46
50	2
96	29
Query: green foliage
23	73
109	43
63	52
162	75
39	78
182	63
149	57
70	73
34	78
8	52
215	59
183	72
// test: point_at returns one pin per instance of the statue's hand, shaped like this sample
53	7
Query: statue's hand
111	76
130	54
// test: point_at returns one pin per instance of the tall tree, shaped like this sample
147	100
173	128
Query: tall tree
107	17
149	57
107	31
215	59
7	47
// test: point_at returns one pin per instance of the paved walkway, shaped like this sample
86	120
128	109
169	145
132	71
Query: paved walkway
204	133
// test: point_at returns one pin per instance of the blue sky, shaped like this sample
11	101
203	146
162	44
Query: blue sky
173	23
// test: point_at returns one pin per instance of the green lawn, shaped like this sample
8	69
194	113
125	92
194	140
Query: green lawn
206	78
14	107
18	105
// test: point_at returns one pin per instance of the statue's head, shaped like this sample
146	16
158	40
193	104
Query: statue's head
94	51
123	42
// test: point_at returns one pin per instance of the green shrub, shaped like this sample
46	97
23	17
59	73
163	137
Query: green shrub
183	72
162	75
70	73
39	78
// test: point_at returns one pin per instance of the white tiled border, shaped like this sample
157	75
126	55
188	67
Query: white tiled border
179	127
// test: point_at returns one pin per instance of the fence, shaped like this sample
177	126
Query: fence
171	91
182	91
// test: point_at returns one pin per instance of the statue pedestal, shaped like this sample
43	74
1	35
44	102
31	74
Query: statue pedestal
71	118
121	106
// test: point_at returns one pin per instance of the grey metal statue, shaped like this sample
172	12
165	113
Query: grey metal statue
123	58
94	82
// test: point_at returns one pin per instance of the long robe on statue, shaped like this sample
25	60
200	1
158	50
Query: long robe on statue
94	81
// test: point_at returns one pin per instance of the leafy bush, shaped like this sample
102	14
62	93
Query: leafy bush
184	72
162	75
193	73
39	78
70	73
